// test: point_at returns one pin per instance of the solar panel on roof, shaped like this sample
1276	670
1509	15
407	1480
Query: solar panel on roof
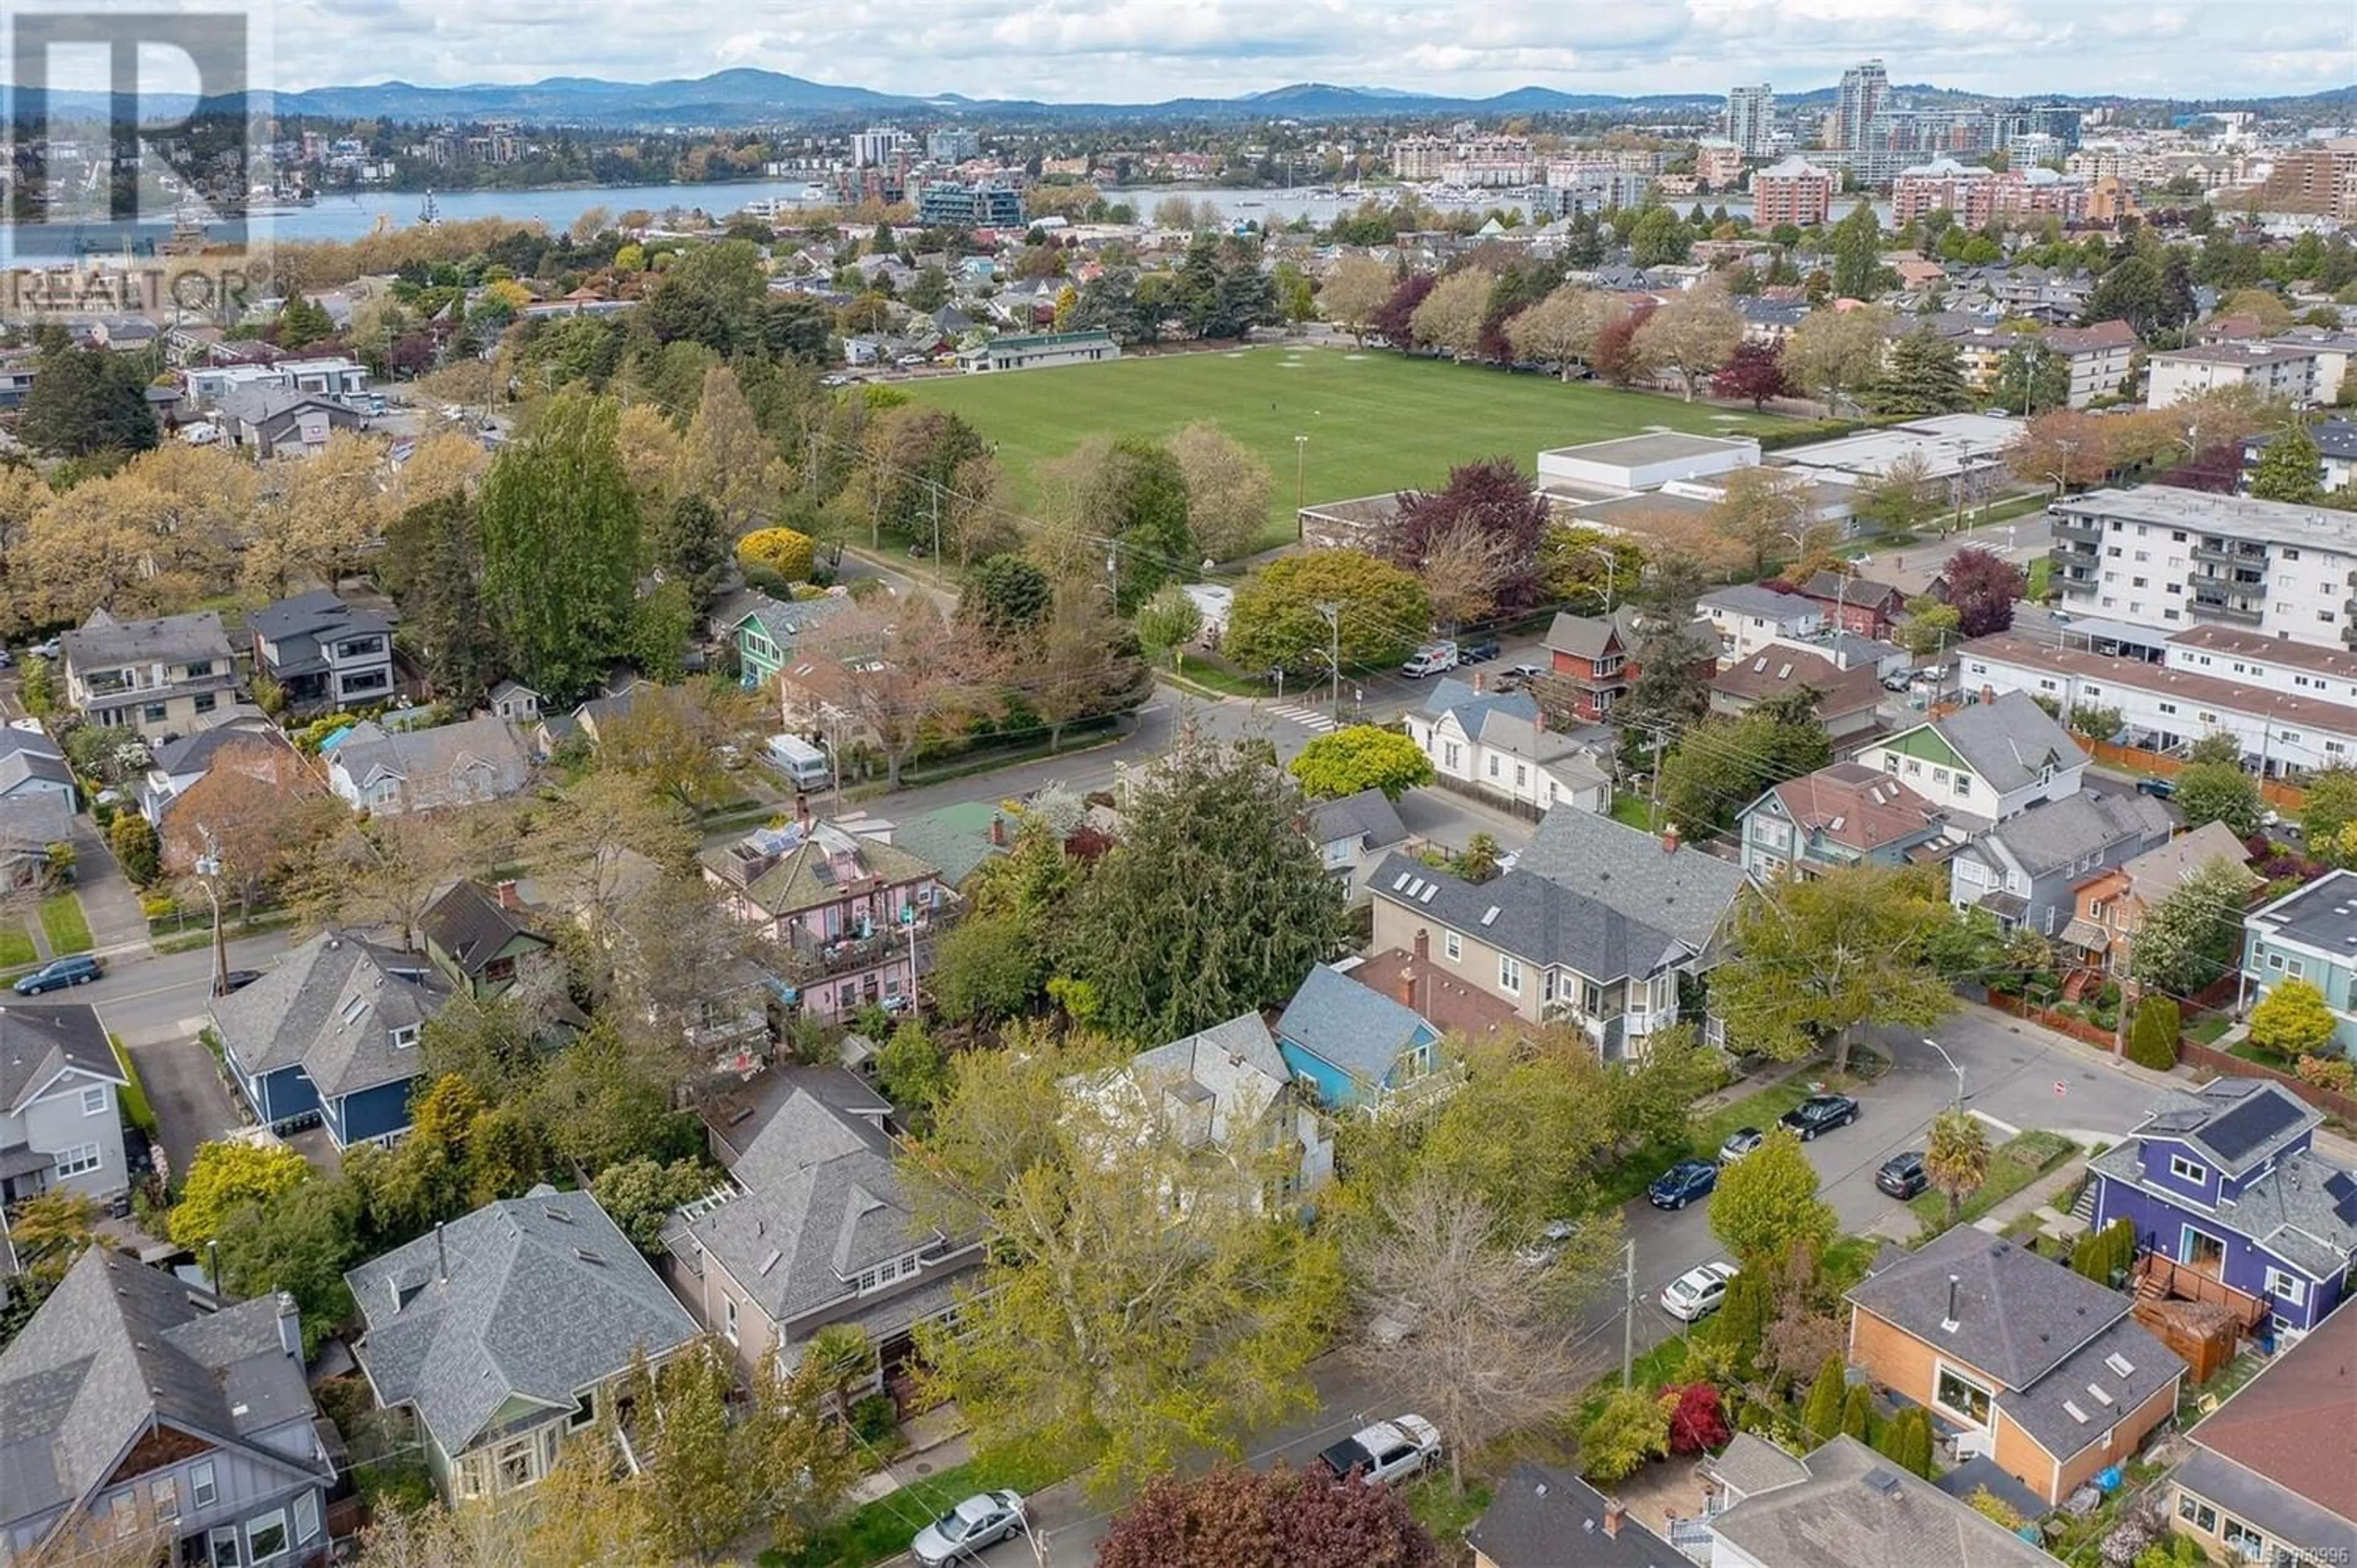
2258	1118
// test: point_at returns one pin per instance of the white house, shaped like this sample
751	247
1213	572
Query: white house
1500	744
1748	618
1985	763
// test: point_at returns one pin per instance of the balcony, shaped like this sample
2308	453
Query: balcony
809	958
2230	552
2226	609
2074	526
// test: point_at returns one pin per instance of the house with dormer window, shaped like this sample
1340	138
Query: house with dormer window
2224	1186
332	1033
1986	762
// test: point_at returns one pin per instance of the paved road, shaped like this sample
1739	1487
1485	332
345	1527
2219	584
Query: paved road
1911	568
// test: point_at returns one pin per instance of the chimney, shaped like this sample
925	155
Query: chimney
506	893
1423	944
997	830
1479	680
1613	1513
1404	988
1948	1324
1668	838
441	1257
290	1326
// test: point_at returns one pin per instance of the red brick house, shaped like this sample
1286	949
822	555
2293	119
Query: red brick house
1856	604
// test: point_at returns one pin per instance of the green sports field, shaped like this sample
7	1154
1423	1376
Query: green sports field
1375	421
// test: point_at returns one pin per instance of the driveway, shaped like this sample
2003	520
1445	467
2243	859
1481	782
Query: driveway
185	1089
117	928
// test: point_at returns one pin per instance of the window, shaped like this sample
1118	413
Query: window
307	1516
404	1036
728	1318
516	1463
265	1537
78	1159
93	1100
203	667
2275	961
202	1490
1448	756
2286	1289
585	1411
208	701
1963	783
1494	765
1510	973
165	1498
1522	777
154	714
2197	1513
225	1540
2184	1169
2244	1539
1961	1397
1452	945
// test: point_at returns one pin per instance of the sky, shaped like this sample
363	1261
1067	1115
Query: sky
1143	50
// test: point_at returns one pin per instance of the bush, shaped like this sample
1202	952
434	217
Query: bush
132	839
1697	1419
2335	1073
877	1420
780	550
2153	1037
1631	1427
1989	1506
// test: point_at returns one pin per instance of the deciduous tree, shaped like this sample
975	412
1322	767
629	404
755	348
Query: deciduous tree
1168	622
1721	766
1355	293
1083	662
1561	329
2064	447
1754	371
1767	511
1766	1204
2218	792
1692	336
1228	491
899	672
223	1176
1451	316
1236	1517
2190	937
2289	469
1362	757
725	459
1838	354
1817	957
1381	612
2292	1018
1491	501
1984	587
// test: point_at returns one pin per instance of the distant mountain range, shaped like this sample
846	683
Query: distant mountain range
745	96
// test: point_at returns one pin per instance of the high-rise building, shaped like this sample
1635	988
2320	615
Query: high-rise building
952	146
876	147
1865	89
2060	121
1750	118
2321	177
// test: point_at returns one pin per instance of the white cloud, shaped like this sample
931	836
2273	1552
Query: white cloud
1134	50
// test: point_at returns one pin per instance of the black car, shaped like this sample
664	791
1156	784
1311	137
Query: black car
2158	788
1819	1114
1479	652
238	980
1682	1183
1902	1176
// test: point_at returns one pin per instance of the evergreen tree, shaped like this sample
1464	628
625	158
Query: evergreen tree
1821	1414
560	541
1742	1319
84	401
2177	305
1154	932
2130	292
1856	248
1148	519
1923	377
2288	468
1858	1413
689	543
433	567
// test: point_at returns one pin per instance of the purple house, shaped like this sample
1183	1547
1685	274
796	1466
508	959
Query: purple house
2222	1180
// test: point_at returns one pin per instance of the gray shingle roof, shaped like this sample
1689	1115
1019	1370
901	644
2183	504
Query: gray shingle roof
2279	1513
784	621
1752	1464
330	1007
1534	918
26	755
104	643
1357	1028
2043	1409
195	753
1472	708
1770	604
118	1346
543	1296
1856	1509
316	614
1542	1517
426	760
1685	893
471	925
1369	818
29	824
39	1043
820	1201
2017	1315
2009	741
2054	835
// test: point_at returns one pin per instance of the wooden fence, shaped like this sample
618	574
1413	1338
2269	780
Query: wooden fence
2282	796
2045	1018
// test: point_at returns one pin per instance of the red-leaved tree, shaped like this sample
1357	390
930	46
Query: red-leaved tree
1233	1517
1394	316
1755	371
1697	1423
1493	500
1616	356
1983	588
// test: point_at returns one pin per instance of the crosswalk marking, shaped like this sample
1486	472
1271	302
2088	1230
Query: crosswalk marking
1307	718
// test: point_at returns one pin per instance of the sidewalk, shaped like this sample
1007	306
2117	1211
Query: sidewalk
117	925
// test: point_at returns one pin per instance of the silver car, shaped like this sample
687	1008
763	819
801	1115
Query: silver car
984	1519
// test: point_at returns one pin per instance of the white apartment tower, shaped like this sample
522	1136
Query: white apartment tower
1865	92
1750	118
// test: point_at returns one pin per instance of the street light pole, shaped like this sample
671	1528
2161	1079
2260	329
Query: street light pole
209	869
1332	610
1952	1067
1300	477
1611	566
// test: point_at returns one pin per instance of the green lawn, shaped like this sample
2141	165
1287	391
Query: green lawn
61	918
15	945
1376	420
1629	1178
2013	1165
877	1531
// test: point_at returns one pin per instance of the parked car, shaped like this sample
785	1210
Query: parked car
1480	653
57	973
1386	1451
239	979
1549	1246
1430	659
1682	1183
1697	1292
1518	678
1898	683
1740	1142
2158	788
984	1519
1902	1176
45	649
1820	1113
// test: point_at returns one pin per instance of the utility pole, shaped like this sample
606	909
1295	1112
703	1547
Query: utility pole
935	489
1629	1318
1300	474
1332	610
208	868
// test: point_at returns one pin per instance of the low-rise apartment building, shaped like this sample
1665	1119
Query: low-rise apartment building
2277	373
2335	453
2166	557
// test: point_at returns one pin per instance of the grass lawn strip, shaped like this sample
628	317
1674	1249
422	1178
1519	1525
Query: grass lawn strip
134	1094
62	919
17	950
880	1530
1375	422
2013	1165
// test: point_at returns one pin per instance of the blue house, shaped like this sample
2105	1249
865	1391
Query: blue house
2309	933
332	1033
1352	1046
2222	1186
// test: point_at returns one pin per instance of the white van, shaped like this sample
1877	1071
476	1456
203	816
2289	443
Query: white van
806	767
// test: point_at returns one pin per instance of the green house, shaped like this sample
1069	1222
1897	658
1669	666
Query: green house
482	941
767	631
